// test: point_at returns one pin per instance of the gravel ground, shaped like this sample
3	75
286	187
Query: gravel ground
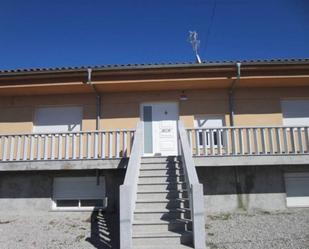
53	230
259	230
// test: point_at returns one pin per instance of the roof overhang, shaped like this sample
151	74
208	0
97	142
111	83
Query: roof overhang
154	77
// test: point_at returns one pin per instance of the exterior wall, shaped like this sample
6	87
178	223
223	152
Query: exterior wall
253	106
255	188
231	189
31	191
17	113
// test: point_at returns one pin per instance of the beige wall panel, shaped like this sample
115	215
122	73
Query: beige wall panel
259	106
188	121
262	106
122	110
265	119
18	113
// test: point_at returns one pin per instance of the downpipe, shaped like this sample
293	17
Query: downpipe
232	123
98	98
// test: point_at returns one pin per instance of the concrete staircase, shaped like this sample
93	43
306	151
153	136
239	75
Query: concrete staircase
162	215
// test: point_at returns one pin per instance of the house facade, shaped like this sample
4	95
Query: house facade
75	138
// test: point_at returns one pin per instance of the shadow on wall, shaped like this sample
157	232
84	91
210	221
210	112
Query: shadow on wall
252	180
102	225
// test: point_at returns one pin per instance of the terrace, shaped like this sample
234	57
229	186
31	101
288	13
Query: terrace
224	146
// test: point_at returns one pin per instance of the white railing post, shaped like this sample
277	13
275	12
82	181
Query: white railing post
103	145
124	144
249	148
45	147
52	147
25	150
96	145
197	142
12	146
67	147
4	151
81	144
88	136
270	136
110	145
279	145
263	138
18	153
292	136
285	140
73	146
117	144
300	140
219	140
59	146
307	139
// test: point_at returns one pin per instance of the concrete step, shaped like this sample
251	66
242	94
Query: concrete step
160	179
160	165
162	247
149	166
161	195
158	159
160	186
161	172
162	239
156	226
169	204
161	214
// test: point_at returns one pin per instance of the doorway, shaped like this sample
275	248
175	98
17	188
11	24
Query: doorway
160	128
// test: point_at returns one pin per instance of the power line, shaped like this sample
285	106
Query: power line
210	24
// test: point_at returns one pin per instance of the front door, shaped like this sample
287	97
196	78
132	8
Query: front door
160	128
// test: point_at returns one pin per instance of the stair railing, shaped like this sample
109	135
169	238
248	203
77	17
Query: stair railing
128	190
195	190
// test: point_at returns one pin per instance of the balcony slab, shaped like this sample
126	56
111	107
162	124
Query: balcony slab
63	165
261	160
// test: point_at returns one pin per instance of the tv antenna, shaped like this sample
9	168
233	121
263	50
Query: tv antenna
195	44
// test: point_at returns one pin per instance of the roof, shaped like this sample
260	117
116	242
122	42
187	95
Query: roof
155	66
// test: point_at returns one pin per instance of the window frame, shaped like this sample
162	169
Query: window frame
207	137
79	196
79	207
36	117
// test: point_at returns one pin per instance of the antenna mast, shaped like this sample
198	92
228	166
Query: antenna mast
195	44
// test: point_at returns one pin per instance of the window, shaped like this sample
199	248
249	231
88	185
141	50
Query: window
295	112
205	136
297	189
58	119
79	193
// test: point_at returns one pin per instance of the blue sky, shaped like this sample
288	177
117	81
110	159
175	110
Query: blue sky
41	33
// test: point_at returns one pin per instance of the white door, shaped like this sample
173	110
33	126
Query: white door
297	189
160	128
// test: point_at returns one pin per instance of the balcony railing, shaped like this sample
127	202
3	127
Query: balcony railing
66	145
246	141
